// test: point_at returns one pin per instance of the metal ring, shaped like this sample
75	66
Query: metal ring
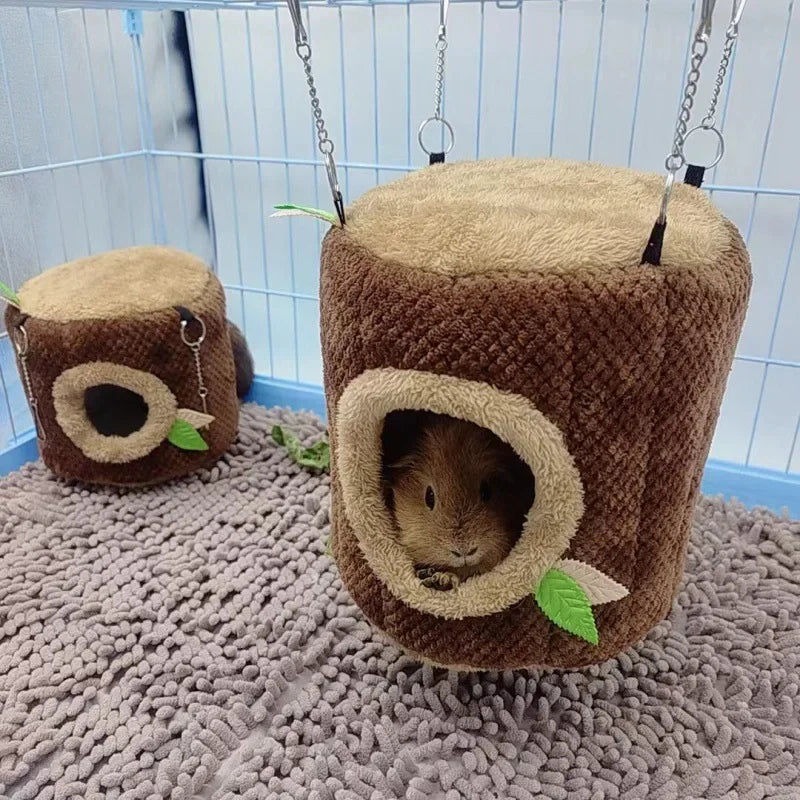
720	139
448	128
674	161
200	339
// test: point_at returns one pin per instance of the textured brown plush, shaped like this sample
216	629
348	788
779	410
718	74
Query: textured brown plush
147	341
629	362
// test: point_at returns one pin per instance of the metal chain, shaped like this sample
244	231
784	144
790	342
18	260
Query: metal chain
675	160
441	47
437	156
194	346
727	52
21	345
303	50
325	144
201	386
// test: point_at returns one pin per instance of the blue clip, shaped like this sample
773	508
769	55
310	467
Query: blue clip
132	22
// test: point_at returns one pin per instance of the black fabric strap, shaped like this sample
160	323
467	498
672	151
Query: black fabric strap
436	158
185	314
694	175
652	253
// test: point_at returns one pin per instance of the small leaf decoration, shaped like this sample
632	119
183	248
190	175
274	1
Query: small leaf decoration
329	546
292	210
599	587
318	456
197	419
183	435
565	604
8	294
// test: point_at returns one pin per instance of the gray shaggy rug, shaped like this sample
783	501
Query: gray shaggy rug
194	640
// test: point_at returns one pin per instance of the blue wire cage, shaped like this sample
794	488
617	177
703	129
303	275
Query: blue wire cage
184	121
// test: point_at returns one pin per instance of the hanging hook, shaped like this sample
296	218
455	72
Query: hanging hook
333	182
324	143
444	7
300	35
736	14
706	16
675	160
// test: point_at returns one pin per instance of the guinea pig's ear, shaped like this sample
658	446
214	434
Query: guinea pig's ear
505	477
403	462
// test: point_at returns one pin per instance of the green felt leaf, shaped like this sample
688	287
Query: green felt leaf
9	294
329	546
313	212
565	604
318	456
183	435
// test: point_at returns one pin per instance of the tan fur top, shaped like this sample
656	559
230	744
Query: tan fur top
119	283
520	215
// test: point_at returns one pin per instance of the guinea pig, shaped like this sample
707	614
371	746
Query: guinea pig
458	493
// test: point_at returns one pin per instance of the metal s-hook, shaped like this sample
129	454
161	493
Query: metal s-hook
333	182
300	35
706	17
736	13
324	142
444	7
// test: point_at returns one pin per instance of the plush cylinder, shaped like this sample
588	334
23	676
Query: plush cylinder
106	364
511	293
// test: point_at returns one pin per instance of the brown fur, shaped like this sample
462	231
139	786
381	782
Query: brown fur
463	534
242	360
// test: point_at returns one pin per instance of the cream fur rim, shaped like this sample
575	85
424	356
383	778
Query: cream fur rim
119	283
68	398
550	524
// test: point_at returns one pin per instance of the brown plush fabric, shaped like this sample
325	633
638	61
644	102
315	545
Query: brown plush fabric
629	363
149	342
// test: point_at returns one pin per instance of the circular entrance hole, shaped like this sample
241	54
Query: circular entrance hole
115	410
458	494
550	521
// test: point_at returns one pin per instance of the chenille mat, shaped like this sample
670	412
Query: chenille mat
194	640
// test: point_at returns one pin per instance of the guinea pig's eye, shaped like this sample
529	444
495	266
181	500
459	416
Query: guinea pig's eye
430	500
485	491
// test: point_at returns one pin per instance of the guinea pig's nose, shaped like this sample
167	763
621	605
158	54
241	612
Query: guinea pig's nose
459	554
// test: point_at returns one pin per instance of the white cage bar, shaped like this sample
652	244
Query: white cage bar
97	108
